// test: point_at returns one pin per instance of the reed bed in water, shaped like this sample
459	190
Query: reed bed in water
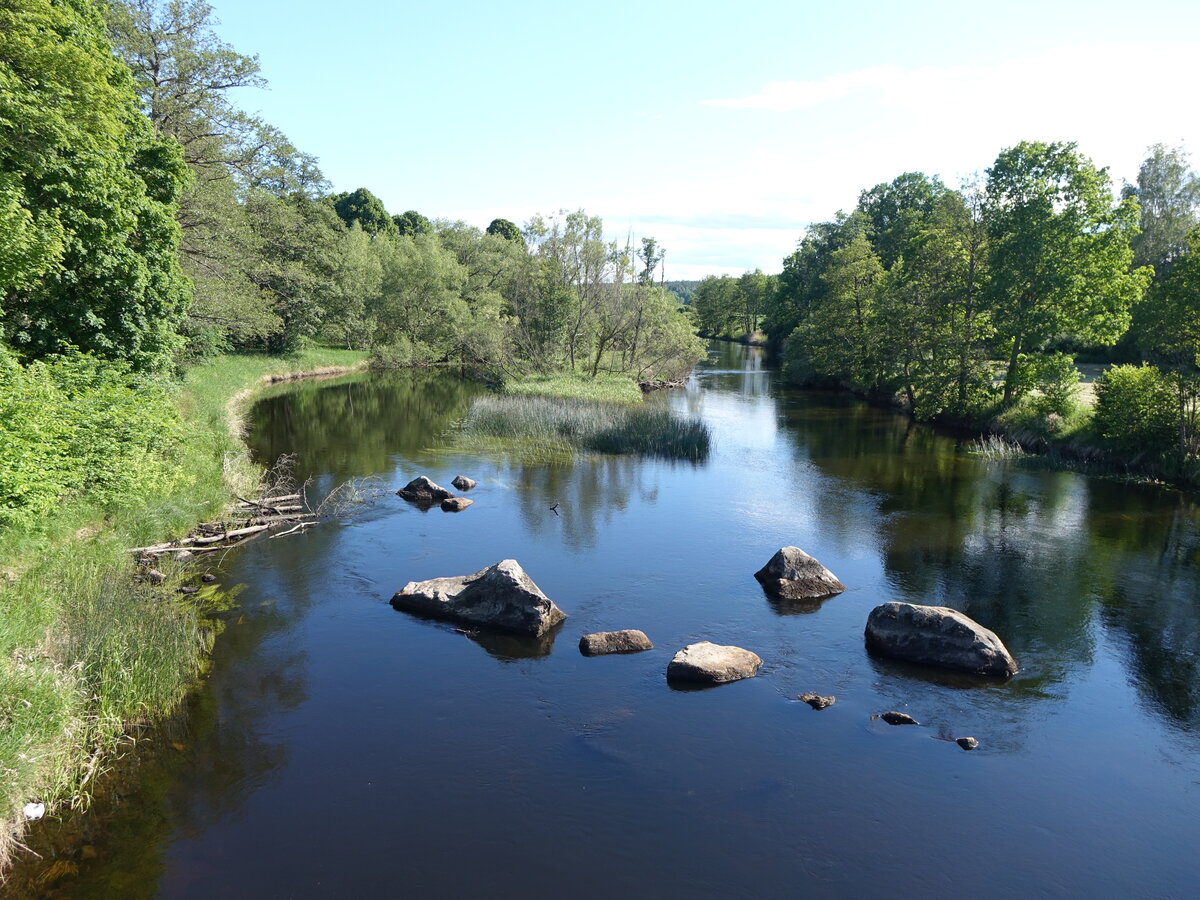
552	426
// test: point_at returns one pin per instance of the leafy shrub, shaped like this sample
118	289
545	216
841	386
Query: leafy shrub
1136	410
78	425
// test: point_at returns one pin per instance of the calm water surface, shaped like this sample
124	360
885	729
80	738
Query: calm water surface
341	748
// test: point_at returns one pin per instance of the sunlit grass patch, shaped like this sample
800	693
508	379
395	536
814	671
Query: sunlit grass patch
554	425
603	387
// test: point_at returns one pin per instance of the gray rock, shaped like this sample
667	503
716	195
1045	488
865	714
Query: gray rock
794	575
455	504
937	636
424	491
501	596
208	578
967	743
816	701
897	718
708	663
155	577
601	642
463	483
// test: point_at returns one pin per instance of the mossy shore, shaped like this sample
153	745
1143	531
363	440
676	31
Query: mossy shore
89	653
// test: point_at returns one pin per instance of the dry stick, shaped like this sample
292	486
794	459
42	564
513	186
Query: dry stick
269	501
299	527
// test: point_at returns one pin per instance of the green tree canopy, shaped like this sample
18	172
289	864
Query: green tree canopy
366	209
88	194
505	229
1059	252
412	222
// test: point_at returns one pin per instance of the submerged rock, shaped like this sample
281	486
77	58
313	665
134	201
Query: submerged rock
897	718
601	642
937	636
794	575
463	483
816	701
967	743
501	596
709	663
455	504
424	491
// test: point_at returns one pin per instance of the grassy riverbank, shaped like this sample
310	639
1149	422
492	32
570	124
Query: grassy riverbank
89	654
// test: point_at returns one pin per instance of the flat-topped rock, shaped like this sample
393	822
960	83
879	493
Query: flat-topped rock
424	491
500	596
602	642
709	663
937	636
463	483
794	575
456	504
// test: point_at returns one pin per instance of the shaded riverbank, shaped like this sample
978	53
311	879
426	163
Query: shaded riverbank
93	650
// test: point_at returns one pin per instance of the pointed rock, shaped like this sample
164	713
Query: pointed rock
501	596
424	491
897	718
463	483
794	575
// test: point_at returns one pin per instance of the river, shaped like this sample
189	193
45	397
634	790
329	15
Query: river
342	748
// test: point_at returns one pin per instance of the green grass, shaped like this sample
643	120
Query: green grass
86	650
604	388
552	427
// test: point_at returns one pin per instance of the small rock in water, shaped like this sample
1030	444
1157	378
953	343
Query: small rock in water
816	701
897	718
455	504
208	578
709	663
188	589
463	483
967	743
602	642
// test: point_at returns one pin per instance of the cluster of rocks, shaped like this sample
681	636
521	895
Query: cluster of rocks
426	493
503	596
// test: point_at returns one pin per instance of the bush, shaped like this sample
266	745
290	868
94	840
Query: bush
1136	410
78	425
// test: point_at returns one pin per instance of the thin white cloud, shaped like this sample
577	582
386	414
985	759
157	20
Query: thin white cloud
785	96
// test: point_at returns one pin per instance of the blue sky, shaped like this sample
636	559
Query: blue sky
720	129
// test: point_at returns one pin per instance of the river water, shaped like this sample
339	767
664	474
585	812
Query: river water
342	748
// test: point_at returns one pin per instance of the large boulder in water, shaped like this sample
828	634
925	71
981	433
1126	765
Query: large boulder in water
424	491
501	596
794	575
709	663
937	636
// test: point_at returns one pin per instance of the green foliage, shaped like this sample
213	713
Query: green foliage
412	223
366	209
507	230
1059	252
88	195
73	425
1135	410
1168	196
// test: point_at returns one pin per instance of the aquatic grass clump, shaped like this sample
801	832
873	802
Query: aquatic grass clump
553	426
995	447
